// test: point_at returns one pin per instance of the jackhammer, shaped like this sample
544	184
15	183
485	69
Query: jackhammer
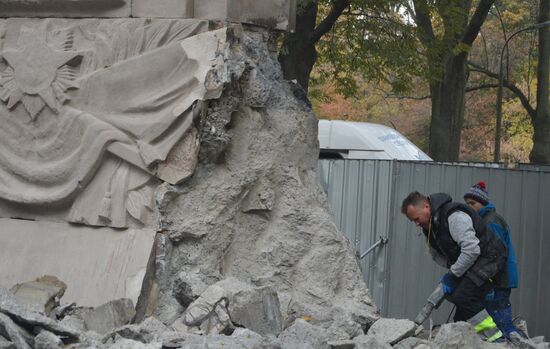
434	301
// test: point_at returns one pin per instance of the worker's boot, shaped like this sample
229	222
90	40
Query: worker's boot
485	327
498	306
503	319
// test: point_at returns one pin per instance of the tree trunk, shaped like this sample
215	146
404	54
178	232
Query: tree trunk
540	154
448	110
299	54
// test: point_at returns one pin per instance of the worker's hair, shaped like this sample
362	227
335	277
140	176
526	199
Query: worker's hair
414	199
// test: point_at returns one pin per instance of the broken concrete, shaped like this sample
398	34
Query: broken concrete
257	309
370	342
6	344
254	210
240	338
147	331
40	295
303	335
410	343
457	336
9	306
47	340
392	330
74	322
342	344
187	286
124	343
12	332
109	316
209	311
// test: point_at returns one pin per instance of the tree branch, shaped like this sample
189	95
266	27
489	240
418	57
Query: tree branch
509	85
477	21
326	25
480	87
424	22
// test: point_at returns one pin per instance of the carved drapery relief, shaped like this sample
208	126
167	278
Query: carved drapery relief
90	111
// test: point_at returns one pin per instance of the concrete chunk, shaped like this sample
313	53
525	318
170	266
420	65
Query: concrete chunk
47	340
257	309
392	330
130	344
370	342
303	335
40	295
109	316
456	336
6	344
13	332
24	316
343	344
201	309
410	343
147	331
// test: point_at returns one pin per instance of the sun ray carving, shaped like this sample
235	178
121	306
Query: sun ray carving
39	75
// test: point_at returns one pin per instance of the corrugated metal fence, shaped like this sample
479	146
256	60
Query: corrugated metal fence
366	196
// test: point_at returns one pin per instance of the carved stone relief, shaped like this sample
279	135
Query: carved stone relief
91	111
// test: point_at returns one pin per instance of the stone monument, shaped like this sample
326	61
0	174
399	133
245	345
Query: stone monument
155	152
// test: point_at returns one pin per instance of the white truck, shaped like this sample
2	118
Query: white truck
362	140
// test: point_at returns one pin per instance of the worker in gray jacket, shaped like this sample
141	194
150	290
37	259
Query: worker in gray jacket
459	241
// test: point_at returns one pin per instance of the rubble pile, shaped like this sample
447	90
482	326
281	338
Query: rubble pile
229	314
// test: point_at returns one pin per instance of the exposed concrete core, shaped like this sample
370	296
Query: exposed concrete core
254	209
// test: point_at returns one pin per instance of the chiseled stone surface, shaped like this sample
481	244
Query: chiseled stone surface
97	264
392	330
